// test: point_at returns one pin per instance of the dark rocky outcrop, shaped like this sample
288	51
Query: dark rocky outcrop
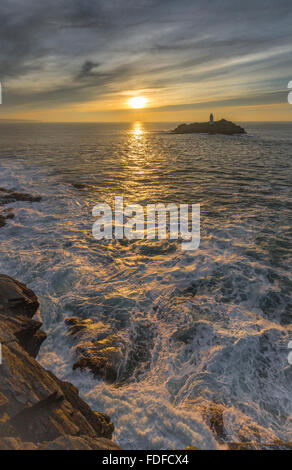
38	410
249	435
16	299
218	127
96	348
8	196
112	354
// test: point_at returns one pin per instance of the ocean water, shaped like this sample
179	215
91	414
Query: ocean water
200	330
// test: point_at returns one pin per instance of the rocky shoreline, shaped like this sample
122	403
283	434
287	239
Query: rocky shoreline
38	410
217	127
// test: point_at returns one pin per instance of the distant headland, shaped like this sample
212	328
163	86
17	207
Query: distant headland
211	127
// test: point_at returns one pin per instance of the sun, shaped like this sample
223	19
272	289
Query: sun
137	102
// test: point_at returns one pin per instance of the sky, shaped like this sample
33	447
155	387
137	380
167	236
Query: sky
83	60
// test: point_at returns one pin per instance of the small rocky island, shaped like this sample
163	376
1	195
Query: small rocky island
211	127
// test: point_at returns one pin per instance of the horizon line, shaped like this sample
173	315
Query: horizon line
36	121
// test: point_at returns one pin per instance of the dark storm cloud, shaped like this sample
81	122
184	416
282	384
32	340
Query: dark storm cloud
95	47
88	69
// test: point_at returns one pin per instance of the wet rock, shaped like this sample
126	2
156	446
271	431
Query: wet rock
237	430
115	356
36	406
7	196
96	348
100	363
87	326
218	127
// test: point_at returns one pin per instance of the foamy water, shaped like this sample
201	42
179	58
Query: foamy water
214	324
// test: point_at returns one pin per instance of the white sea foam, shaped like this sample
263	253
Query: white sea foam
217	319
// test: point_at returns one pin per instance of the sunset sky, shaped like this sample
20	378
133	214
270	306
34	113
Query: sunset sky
83	60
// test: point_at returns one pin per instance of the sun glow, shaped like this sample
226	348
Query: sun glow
137	102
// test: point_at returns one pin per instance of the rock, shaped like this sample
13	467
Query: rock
115	356
41	407
238	431
3	400
36	406
218	127
12	443
61	443
7	196
18	304
16	298
96	347
80	443
277	445
30	337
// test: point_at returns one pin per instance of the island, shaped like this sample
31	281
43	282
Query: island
216	127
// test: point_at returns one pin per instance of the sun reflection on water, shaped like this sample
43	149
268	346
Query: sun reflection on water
138	129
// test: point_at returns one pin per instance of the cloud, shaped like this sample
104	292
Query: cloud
257	99
74	51
88	68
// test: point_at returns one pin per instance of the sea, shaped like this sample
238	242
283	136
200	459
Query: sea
205	334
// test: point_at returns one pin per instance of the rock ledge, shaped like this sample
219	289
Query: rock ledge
38	410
